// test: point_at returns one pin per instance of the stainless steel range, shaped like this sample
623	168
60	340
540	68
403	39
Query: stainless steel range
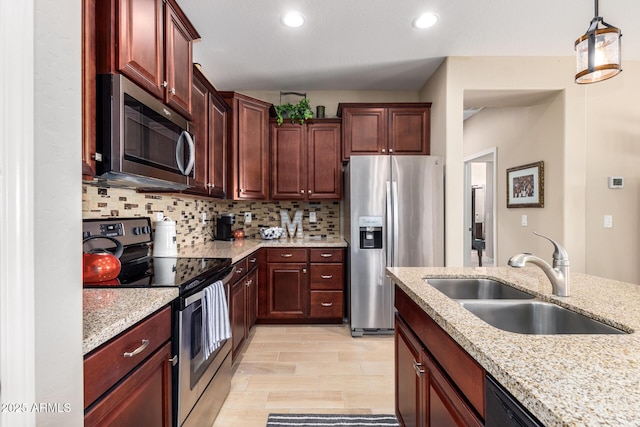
202	371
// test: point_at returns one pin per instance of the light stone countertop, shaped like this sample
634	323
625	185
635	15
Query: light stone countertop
239	249
108	312
564	380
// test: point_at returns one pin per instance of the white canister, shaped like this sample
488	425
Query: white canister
165	242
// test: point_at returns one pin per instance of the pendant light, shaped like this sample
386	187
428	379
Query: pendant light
598	52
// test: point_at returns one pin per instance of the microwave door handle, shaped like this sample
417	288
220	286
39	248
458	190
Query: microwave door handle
179	153
192	152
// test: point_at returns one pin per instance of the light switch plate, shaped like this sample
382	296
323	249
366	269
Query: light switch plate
608	221
524	220
159	216
312	217
247	217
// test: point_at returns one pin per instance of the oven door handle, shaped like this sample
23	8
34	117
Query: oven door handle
199	295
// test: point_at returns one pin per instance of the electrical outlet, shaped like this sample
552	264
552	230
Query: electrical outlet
247	217
524	220
204	217
159	216
608	221
312	217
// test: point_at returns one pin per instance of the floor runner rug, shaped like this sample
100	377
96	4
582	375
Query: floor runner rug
327	420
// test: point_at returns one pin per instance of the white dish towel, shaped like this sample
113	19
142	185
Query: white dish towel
215	318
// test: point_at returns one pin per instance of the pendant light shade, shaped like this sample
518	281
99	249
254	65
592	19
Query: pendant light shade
598	52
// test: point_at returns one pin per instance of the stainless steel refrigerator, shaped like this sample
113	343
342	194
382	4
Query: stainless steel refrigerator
393	216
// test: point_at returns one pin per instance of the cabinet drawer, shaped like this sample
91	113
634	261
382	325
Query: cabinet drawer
327	304
326	255
286	255
327	276
109	363
240	269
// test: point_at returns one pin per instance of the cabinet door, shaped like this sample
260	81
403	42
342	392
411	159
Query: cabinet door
178	63
200	129
446	406
252	299
409	130
411	378
142	399
288	162
287	290
141	44
238	316
324	168
217	147
253	151
364	131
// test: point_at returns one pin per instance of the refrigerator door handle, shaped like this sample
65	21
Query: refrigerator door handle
396	216
389	226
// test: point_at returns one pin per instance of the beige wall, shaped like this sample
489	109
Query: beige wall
523	135
331	98
596	129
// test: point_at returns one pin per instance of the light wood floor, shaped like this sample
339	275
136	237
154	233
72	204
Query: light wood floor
309	369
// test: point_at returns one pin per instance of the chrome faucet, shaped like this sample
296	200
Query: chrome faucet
558	274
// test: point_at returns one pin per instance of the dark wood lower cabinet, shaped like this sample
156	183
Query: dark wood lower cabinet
287	290
142	399
426	394
238	316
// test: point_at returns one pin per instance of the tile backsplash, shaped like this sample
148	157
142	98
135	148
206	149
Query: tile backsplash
187	210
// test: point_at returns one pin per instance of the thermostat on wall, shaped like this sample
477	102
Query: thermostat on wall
616	182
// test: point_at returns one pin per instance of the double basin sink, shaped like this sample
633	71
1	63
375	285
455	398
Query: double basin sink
513	310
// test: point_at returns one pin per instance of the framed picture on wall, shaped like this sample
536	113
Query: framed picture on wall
525	186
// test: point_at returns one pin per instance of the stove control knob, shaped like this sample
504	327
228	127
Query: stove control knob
86	234
137	230
146	229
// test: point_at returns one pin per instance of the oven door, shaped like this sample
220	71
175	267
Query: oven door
194	371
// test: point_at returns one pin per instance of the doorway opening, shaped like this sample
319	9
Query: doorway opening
480	209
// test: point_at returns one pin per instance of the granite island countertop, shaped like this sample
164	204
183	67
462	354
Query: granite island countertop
564	380
108	311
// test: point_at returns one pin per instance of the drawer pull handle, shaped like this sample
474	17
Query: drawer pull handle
326	304
286	255
326	255
328	276
418	367
249	282
238	271
174	360
253	260
138	350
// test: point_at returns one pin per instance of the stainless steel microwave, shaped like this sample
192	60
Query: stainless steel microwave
140	142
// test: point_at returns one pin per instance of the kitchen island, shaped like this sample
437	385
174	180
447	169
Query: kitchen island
563	380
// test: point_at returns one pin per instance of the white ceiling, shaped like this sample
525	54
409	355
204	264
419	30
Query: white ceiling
371	44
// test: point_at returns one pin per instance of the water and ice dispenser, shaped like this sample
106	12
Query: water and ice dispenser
370	232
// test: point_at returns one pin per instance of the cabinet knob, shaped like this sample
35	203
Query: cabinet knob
391	150
172	91
384	151
249	282
165	84
309	191
301	191
304	270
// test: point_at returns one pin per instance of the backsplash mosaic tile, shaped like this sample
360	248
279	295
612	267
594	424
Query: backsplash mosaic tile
186	210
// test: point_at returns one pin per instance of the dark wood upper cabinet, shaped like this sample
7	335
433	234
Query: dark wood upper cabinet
385	128
305	161
248	153
209	125
150	42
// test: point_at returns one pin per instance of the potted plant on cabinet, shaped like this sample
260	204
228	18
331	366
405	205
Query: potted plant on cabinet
296	113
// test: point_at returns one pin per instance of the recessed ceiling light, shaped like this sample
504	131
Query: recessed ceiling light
293	19
426	20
